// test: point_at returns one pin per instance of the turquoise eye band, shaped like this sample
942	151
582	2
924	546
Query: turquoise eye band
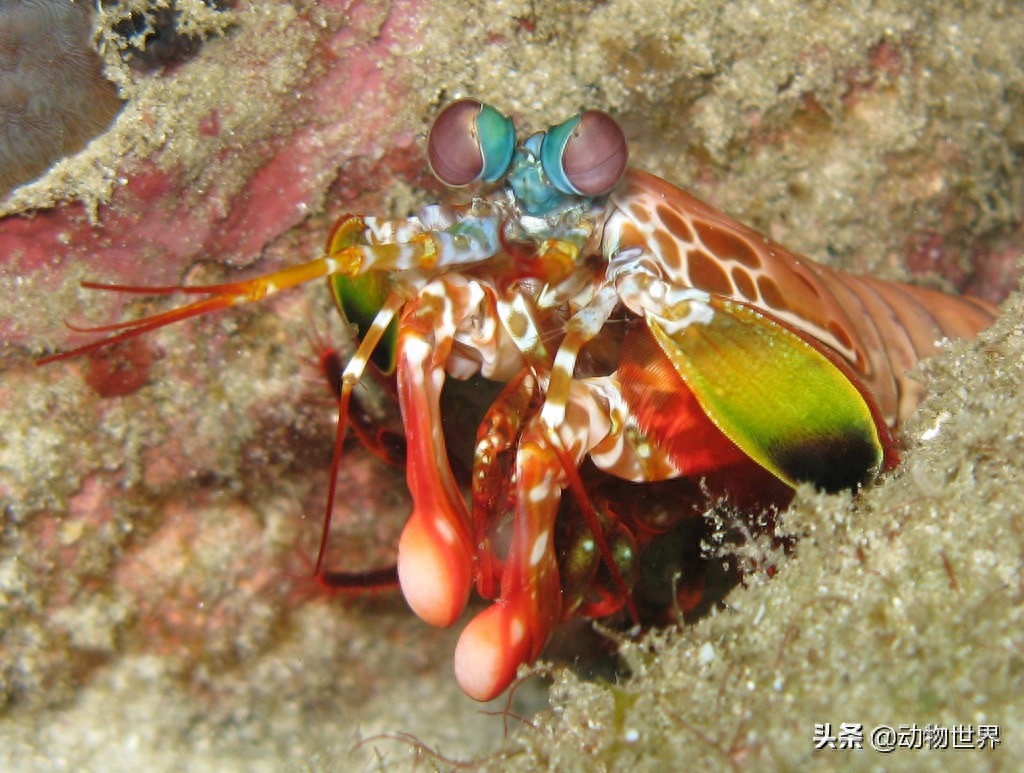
470	141
586	155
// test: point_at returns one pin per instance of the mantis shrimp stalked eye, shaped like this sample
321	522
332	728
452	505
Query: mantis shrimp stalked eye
470	141
586	155
651	352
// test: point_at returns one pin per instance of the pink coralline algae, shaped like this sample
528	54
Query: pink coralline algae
245	180
313	127
165	500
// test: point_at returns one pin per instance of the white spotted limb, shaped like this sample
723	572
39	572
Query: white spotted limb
515	628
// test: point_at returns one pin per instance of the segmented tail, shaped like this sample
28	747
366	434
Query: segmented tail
882	329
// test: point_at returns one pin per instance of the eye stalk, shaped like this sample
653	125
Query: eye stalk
470	141
586	155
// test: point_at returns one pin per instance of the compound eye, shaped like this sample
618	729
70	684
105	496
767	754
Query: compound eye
586	155
470	141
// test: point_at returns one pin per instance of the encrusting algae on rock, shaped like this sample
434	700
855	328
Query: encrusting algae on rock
820	138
